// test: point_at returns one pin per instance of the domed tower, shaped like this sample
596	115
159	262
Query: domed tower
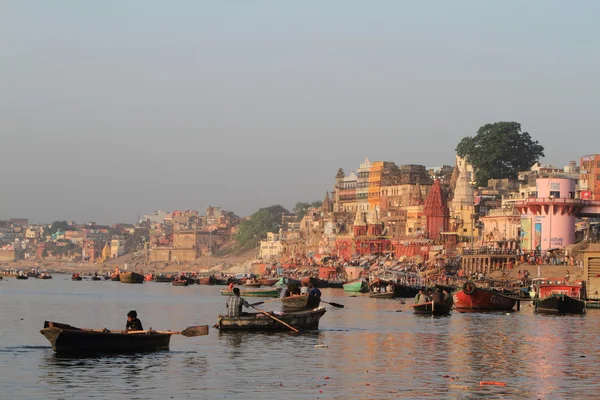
360	225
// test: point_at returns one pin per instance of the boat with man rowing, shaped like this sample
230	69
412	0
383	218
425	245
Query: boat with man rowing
308	319
69	339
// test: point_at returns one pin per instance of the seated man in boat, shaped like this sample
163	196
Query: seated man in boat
304	288
133	323
235	303
313	291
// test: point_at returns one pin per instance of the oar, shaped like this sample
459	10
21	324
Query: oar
406	308
336	305
276	319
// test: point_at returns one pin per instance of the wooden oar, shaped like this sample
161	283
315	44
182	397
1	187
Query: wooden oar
276	319
406	308
336	305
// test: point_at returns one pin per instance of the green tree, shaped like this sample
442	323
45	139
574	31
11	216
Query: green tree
302	207
257	225
499	150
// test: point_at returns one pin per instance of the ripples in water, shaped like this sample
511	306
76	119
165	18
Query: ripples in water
372	351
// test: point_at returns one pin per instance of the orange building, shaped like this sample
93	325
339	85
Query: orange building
589	178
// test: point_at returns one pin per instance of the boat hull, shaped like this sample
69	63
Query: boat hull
385	295
180	283
356	286
131	277
269	282
76	278
482	300
22	277
164	279
308	319
560	304
205	280
76	341
300	302
252	293
432	309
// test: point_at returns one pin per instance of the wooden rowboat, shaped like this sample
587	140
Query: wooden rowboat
300	302
68	339
431	308
253	293
164	279
131	277
205	280
179	282
308	319
384	295
269	282
22	277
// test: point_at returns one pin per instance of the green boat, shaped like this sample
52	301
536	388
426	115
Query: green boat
359	286
253	293
592	304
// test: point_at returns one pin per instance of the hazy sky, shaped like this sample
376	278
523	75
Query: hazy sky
112	109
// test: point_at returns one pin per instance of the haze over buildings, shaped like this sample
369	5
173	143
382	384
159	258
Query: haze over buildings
112	110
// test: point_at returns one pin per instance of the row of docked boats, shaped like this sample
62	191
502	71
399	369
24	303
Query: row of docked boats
550	296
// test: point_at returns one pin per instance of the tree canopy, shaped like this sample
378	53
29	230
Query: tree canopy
257	225
301	207
499	150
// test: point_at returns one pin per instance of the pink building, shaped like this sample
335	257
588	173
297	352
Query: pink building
548	219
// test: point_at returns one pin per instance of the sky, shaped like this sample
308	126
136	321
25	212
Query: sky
110	110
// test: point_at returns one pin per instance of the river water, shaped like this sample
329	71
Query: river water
373	351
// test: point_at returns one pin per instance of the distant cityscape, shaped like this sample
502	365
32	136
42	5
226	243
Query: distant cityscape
379	208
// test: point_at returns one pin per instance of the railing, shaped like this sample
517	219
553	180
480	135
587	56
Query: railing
552	200
499	252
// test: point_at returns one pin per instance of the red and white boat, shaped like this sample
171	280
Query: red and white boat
557	296
472	298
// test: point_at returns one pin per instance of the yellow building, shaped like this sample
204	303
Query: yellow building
106	252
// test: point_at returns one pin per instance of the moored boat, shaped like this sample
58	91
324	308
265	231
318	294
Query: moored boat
96	278
381	295
300	302
308	319
223	280
253	293
115	277
188	279
357	286
180	282
555	296
205	280
269	281
131	277
252	284
431	308
76	277
68	339
44	275
22	277
164	279
318	283
473	298
335	284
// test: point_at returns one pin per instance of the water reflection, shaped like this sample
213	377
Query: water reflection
371	350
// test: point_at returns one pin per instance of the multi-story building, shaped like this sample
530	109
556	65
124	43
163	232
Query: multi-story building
589	180
362	186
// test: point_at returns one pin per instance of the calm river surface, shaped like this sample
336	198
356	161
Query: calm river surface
373	350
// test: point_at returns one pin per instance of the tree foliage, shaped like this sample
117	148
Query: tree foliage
56	226
500	150
302	207
257	225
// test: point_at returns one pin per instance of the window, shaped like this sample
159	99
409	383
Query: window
555	194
